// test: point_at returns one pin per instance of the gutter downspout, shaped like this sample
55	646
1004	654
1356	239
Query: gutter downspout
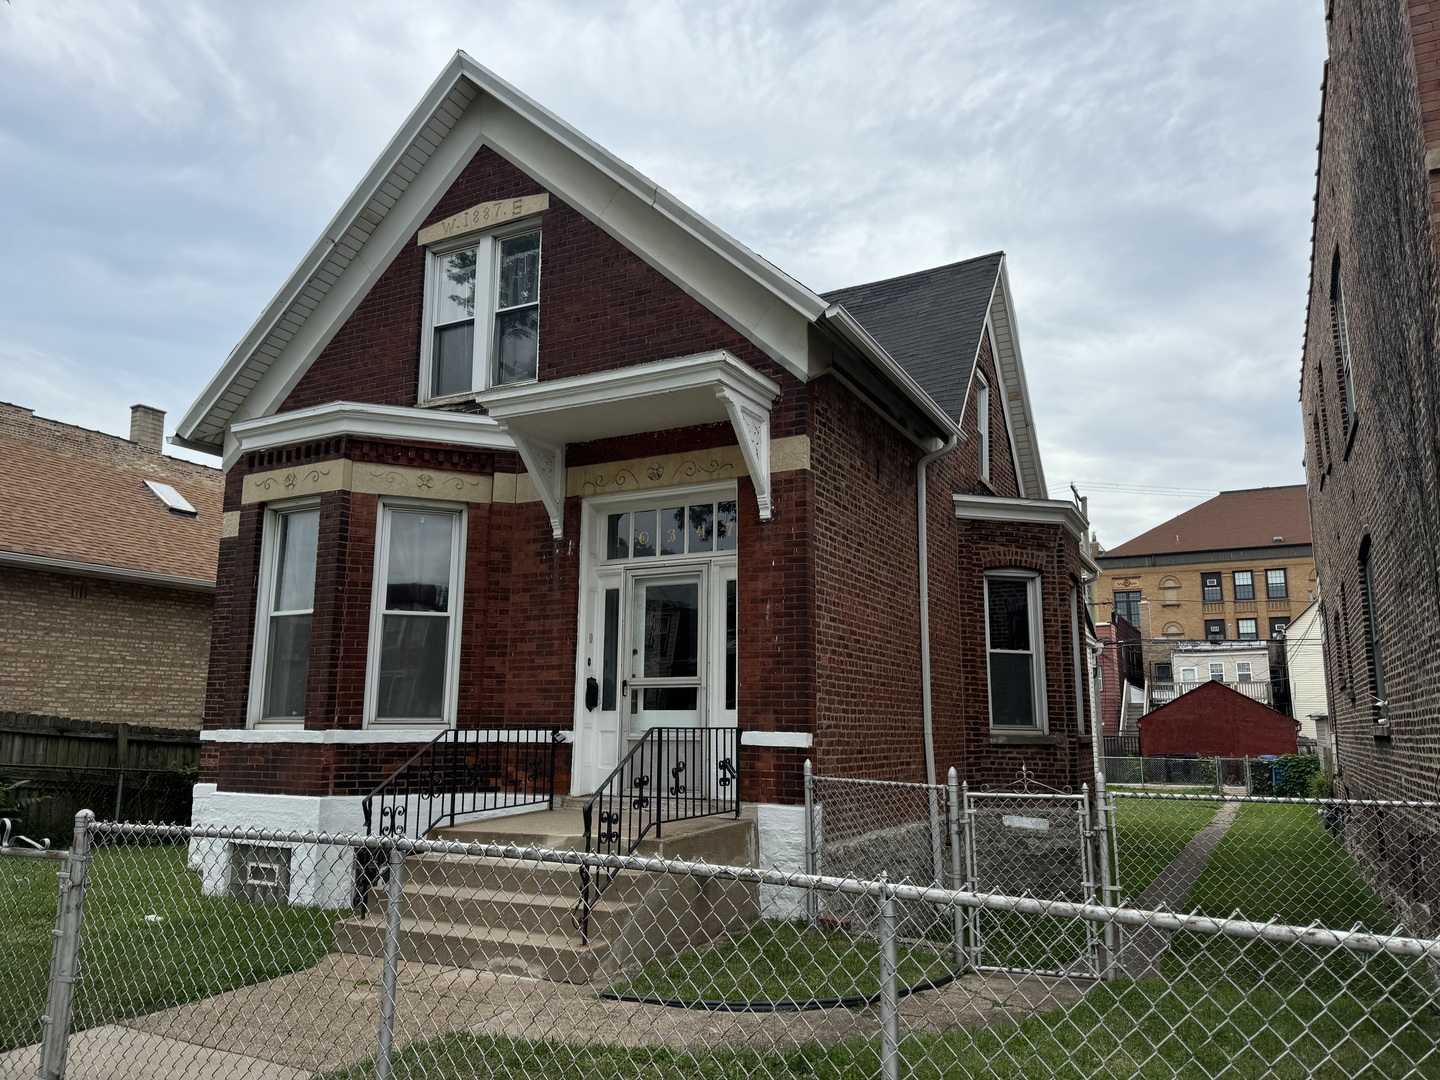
926	705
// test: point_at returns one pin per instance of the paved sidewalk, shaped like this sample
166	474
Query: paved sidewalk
1141	951
120	1053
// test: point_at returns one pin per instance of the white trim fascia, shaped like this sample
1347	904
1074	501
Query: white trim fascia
719	368
1060	512
98	570
745	394
1029	470
859	338
584	174
279	733
790	740
985	329
338	418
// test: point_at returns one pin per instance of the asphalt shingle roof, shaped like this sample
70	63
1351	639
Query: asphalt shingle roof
930	322
79	496
1250	518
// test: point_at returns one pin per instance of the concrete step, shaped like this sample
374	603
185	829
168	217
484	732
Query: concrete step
719	839
514	875
541	913
526	952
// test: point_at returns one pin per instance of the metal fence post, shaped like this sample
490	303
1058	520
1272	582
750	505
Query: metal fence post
957	880
389	975
1109	890
972	874
889	988
812	900
64	955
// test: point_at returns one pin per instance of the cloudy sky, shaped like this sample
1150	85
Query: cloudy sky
1148	167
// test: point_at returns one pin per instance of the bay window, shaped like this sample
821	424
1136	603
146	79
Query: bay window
415	614
1014	650
286	602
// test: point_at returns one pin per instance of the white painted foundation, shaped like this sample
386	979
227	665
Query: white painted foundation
782	847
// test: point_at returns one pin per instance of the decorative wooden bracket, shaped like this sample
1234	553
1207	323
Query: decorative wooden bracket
545	462
752	429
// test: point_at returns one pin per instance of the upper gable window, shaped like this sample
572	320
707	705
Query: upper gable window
482	313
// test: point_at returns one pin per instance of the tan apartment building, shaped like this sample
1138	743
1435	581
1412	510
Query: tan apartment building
1235	568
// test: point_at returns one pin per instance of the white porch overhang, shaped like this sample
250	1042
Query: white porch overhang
542	418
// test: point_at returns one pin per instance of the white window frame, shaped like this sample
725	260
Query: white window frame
384	510
1189	676
1037	652
487	269
264	598
1217	672
982	424
1244	671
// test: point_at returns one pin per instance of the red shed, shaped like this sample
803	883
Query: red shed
1214	720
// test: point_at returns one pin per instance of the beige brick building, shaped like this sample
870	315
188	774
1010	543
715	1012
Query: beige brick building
1236	568
107	572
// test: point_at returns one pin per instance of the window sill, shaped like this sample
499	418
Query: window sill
469	397
1022	738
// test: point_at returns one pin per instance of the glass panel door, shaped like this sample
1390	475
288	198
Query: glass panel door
667	631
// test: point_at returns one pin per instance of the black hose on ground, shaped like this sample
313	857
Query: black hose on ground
763	1005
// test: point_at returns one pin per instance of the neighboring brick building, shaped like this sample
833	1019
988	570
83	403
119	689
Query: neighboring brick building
1370	392
1216	720
105	592
669	486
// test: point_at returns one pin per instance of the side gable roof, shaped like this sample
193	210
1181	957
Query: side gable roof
75	500
1248	518
932	323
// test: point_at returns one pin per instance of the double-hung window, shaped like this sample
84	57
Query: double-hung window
1015	650
1244	671
1275	586
1247	629
1214	629
1217	672
482	313
415	614
281	667
1210	589
1244	584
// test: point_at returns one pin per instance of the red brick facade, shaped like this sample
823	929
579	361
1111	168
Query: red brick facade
1214	720
827	589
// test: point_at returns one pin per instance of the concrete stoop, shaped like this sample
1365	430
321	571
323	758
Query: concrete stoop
516	917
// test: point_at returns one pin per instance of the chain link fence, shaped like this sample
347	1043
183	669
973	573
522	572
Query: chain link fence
237	953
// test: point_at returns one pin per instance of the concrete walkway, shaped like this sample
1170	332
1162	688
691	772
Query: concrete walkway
322	1019
1141	951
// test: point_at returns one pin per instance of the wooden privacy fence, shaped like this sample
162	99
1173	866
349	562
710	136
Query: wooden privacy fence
52	766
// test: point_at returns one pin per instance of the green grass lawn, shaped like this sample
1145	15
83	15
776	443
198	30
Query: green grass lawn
150	939
1224	1008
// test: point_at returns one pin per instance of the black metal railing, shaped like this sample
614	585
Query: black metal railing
464	771
1121	745
672	774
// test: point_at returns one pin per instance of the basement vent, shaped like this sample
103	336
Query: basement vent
259	874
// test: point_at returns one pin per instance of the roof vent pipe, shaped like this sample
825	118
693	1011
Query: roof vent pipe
147	426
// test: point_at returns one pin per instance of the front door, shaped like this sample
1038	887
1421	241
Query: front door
658	633
664	681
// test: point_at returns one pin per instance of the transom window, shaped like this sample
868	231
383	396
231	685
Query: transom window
668	531
1244	585
482	315
1275	586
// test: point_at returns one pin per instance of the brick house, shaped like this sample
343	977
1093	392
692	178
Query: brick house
525	441
1371	404
107	572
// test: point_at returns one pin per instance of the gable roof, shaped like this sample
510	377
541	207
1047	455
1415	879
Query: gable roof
932	323
1248	518
929	321
74	500
468	107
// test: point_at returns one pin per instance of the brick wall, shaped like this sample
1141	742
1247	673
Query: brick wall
93	649
1374	475
1215	721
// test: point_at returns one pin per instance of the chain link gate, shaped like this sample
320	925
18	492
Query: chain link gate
1034	842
